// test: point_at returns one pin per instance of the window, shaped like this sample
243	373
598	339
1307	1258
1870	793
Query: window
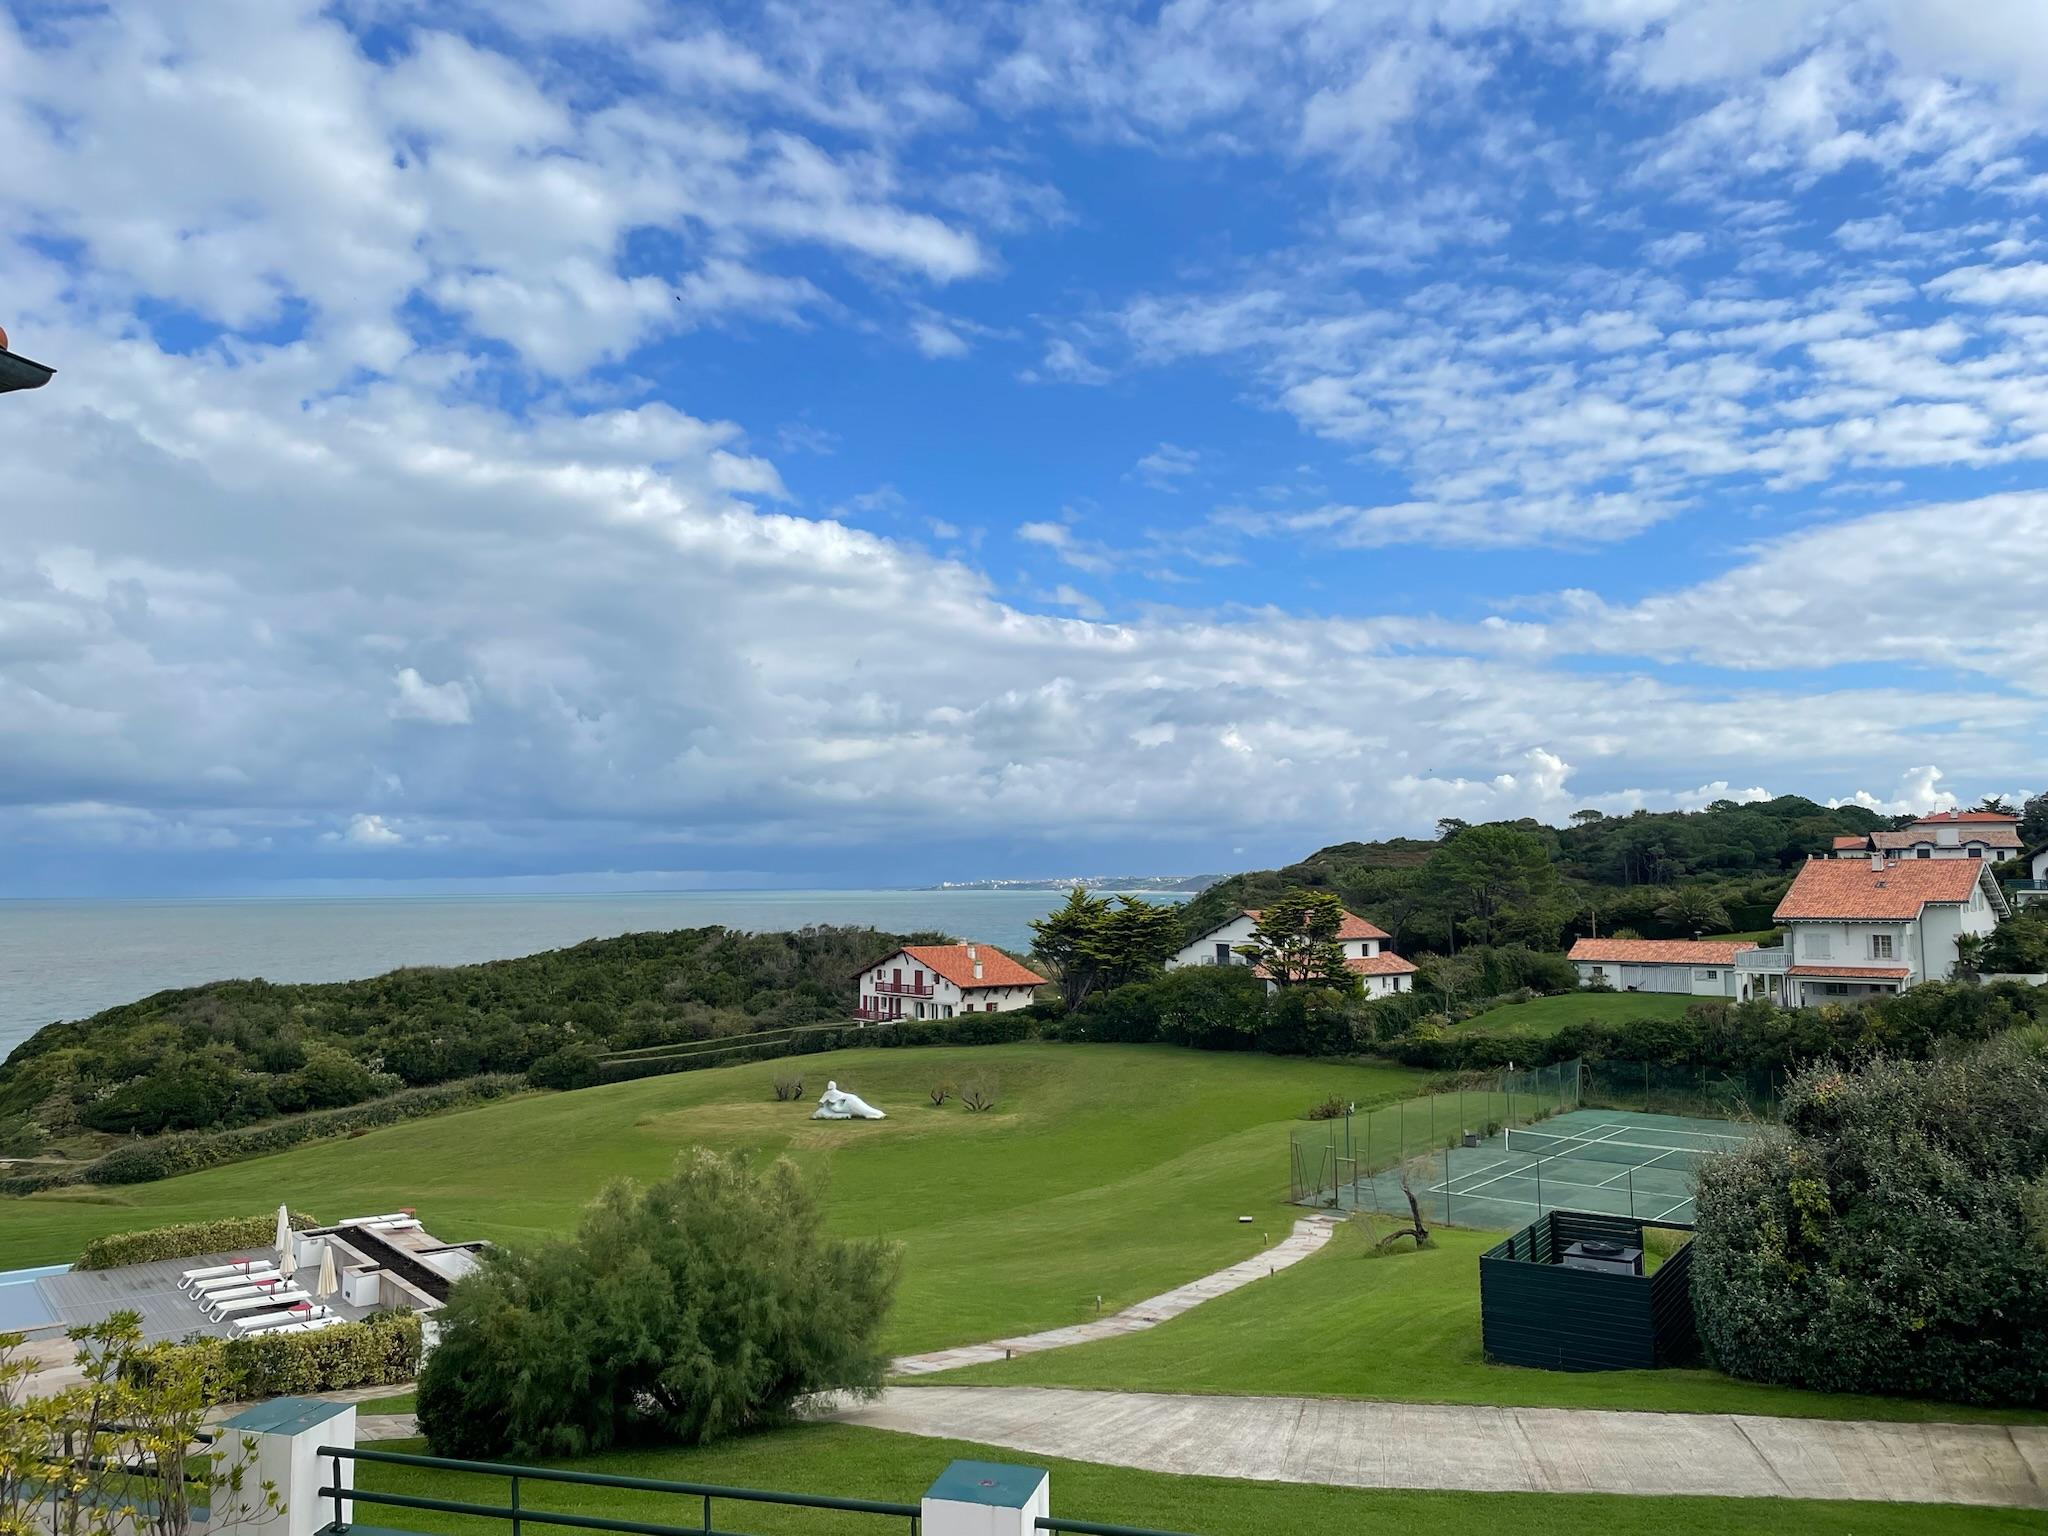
1706	975
1834	989
1923	853
1880	946
1976	852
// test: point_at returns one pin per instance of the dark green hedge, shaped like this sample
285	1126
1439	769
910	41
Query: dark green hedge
185	1240
381	1351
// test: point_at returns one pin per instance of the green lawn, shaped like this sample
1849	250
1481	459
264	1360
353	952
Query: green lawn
1106	1170
1401	1326
871	1464
1547	1015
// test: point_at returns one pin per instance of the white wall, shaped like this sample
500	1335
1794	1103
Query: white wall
1239	931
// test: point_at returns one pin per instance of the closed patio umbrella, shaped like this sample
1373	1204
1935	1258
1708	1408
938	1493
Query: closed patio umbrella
326	1285
287	1246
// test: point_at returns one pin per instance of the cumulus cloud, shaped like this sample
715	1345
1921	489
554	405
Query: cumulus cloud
435	703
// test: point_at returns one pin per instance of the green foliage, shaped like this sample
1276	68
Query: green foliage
1098	943
1295	942
2019	945
185	1240
240	1053
164	1157
2034	822
1695	909
1498	884
1887	1243
574	1066
376	1352
700	1306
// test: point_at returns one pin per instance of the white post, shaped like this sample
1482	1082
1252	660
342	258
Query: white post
288	1433
986	1498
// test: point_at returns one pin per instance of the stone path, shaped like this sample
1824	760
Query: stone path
1309	1234
1512	1450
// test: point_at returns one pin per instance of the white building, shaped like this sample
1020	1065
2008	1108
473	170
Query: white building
1367	954
1693	967
938	981
1876	925
2036	888
1944	835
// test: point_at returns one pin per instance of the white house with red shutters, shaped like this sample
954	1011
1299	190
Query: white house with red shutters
941	981
1943	835
1367	952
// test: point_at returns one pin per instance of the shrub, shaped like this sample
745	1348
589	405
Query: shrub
185	1240
1887	1243
1332	1108
979	1096
573	1066
379	1351
789	1087
940	1092
705	1304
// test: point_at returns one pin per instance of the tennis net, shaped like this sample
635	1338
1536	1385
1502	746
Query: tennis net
1619	1149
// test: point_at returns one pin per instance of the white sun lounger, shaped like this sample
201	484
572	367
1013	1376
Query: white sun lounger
270	1285
236	1276
313	1326
226	1309
240	1266
235	1285
269	1322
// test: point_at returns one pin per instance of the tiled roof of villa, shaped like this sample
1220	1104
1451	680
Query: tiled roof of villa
1862	890
1660	951
955	964
1990	834
1385	963
1877	972
1353	926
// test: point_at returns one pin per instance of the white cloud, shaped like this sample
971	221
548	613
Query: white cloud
370	831
1166	466
2024	284
435	703
937	340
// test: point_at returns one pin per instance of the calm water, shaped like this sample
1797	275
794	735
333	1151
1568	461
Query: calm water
66	959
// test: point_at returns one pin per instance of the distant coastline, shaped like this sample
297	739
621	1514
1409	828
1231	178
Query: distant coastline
1132	885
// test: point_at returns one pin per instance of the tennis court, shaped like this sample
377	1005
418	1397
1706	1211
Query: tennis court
1614	1161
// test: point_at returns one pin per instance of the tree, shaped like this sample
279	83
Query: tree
1496	883
2034	821
1997	803
1448	827
1695	909
1295	942
1587	817
705	1304
1095	943
2017	946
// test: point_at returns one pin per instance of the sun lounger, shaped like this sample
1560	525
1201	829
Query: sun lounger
192	1277
221	1312
270	1286
238	1277
270	1322
313	1326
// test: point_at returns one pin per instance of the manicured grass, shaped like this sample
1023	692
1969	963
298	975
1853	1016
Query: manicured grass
872	1464
399	1403
1400	1326
1547	1015
1105	1170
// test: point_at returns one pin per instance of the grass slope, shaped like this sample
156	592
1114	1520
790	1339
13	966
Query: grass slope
1401	1326
1110	1170
871	1464
1548	1015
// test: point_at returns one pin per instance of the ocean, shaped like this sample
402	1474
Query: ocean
67	959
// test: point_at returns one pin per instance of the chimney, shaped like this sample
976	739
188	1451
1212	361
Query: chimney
977	970
1877	858
973	953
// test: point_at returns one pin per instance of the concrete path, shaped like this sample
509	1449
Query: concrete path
1509	1450
1308	1236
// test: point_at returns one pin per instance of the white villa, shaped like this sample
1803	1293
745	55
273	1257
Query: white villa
1698	967
938	981
1943	835
1380	971
2035	889
1872	926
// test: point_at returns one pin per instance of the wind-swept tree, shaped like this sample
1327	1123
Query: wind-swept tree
1295	941
1695	909
1093	943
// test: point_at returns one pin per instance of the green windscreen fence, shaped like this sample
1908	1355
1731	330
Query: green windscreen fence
1498	1151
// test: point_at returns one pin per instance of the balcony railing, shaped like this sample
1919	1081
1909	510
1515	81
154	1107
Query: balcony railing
872	1011
2030	885
904	988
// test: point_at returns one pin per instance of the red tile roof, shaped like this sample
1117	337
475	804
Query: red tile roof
1385	963
1853	840
1660	951
1353	926
1882	972
1859	889
1994	835
2007	817
953	963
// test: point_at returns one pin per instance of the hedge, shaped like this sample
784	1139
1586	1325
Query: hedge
184	1240
380	1351
162	1157
966	1029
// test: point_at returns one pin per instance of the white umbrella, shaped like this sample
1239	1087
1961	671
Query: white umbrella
287	1247
326	1285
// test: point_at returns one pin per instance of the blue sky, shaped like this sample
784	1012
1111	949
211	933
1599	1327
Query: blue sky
874	443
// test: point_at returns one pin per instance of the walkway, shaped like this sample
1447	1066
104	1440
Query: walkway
1308	1236
1509	1450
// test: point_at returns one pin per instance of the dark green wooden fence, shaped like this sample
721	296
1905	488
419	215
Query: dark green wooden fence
1533	1311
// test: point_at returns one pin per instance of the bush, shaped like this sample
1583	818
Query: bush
980	1096
703	1305
1333	1108
1891	1242
573	1066
788	1087
940	1092
162	1157
379	1351
185	1240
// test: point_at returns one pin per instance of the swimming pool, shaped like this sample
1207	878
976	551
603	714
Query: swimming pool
21	1300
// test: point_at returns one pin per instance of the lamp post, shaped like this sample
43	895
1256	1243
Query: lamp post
18	372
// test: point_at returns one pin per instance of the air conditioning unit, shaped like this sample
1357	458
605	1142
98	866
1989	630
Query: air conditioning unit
1606	1258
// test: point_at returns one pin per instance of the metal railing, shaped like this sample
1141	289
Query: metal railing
905	988
518	1514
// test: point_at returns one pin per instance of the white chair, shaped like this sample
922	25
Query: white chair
216	1271
227	1309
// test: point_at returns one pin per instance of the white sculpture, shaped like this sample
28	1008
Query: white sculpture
834	1105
